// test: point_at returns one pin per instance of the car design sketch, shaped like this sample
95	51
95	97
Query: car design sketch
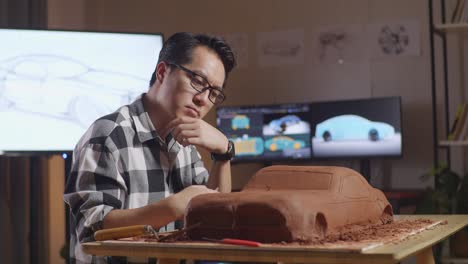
352	127
282	143
334	40
240	122
313	199
65	88
248	145
281	48
393	41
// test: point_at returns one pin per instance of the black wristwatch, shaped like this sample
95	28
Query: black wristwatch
226	156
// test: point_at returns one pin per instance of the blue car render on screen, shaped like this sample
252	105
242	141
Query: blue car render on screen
279	125
357	128
240	122
287	135
268	132
353	127
283	143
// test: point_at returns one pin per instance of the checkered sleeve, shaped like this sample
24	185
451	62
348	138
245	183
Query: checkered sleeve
198	168
94	188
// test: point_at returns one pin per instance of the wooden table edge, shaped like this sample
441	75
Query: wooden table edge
419	245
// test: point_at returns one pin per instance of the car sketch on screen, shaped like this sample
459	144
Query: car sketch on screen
352	127
283	143
289	124
64	88
248	146
355	135
240	122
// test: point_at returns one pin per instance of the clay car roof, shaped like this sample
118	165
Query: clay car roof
282	177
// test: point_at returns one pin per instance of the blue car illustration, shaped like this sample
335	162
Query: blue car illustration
352	127
240	122
248	146
279	125
282	143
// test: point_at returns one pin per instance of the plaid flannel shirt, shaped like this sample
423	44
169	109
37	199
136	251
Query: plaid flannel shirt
121	163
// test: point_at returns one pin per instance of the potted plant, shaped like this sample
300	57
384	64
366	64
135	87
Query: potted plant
449	197
459	241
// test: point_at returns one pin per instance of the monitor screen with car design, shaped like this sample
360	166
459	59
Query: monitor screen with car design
360	128
54	84
269	132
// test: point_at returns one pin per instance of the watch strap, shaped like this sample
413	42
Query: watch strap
225	156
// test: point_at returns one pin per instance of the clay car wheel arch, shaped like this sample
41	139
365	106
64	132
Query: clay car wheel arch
387	215
320	225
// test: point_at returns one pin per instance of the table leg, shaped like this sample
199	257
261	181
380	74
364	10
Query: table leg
425	256
168	261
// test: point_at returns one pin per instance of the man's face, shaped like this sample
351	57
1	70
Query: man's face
177	94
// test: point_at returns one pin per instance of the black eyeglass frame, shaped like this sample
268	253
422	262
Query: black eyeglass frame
210	88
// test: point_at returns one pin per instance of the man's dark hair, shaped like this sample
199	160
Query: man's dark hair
178	50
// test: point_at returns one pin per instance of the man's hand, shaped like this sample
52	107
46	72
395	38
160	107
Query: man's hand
157	214
180	200
194	131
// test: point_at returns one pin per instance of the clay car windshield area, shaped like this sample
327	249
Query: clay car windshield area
322	181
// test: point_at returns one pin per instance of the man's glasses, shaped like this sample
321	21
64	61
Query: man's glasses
201	84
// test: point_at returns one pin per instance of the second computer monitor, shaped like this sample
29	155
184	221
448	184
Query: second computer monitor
360	128
264	133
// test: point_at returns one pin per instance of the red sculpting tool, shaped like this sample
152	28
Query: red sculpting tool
232	241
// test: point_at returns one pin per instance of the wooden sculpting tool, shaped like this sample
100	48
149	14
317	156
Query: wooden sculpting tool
123	232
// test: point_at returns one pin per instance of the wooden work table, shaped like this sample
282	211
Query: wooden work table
419	245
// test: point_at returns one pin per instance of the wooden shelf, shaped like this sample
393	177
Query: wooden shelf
453	143
461	28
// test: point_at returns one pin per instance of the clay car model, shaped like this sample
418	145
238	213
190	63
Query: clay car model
352	127
283	142
289	203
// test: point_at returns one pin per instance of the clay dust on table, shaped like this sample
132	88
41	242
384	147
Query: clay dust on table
358	236
351	236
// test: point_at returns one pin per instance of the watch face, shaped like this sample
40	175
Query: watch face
231	149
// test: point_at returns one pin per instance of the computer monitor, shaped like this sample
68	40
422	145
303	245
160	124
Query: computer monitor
362	128
54	84
267	133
